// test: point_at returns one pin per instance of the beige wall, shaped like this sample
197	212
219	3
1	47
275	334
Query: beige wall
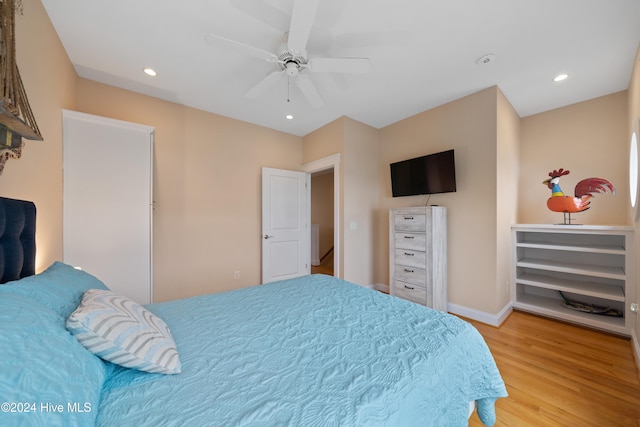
633	113
206	186
324	142
49	80
358	145
322	208
590	140
507	170
469	126
360	177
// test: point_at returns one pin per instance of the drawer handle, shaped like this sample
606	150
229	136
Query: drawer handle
409	254
406	270
409	287
408	218
409	237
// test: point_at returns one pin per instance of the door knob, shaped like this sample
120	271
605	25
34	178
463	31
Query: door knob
266	236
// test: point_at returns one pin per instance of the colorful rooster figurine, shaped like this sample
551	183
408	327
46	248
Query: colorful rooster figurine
584	191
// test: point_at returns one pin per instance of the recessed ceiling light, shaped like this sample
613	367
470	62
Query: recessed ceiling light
560	77
150	72
289	117
486	59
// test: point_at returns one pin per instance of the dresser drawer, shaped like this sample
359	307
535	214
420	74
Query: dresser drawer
410	274
411	241
410	222
411	258
411	292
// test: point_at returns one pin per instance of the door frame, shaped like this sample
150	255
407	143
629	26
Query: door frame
332	161
86	222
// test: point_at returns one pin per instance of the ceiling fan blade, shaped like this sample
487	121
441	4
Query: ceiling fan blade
216	40
304	12
339	65
309	91
264	84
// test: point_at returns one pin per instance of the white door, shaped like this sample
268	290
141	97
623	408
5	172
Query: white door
107	206
285	224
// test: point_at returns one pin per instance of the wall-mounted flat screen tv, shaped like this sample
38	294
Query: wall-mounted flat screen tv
430	174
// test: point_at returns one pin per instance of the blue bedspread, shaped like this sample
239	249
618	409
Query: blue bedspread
305	352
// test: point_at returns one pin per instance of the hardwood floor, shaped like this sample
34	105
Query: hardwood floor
326	264
558	374
322	269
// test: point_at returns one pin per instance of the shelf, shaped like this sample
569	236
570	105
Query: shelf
591	248
574	268
574	229
592	289
554	308
588	264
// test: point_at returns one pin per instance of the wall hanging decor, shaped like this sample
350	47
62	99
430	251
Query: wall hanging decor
16	118
579	202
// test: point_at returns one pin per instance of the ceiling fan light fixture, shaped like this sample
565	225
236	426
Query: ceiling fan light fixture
150	72
289	116
292	68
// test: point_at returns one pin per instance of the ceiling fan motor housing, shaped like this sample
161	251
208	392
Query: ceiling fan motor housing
291	63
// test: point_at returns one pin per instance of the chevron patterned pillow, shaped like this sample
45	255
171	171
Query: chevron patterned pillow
123	332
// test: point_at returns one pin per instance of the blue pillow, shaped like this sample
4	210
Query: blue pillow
60	287
46	376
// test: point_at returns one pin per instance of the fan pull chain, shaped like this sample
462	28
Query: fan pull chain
288	89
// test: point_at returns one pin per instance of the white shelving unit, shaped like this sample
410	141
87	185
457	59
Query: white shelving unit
588	264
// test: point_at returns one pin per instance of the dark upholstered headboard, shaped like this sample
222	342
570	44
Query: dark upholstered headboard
17	239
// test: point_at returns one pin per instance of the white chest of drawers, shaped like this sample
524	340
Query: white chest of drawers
418	255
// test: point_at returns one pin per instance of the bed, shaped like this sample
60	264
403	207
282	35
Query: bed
315	350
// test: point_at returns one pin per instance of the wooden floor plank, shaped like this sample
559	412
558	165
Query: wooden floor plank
558	374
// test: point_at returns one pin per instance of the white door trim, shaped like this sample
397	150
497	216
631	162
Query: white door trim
107	198
332	161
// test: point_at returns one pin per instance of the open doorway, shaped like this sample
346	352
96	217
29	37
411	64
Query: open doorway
322	227
330	166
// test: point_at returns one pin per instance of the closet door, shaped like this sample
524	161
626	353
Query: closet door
107	201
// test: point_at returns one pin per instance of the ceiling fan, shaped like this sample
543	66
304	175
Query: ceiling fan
291	56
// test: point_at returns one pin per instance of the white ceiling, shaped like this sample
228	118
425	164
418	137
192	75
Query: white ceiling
422	53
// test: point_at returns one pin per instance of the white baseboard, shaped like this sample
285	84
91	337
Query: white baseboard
381	287
469	313
481	316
